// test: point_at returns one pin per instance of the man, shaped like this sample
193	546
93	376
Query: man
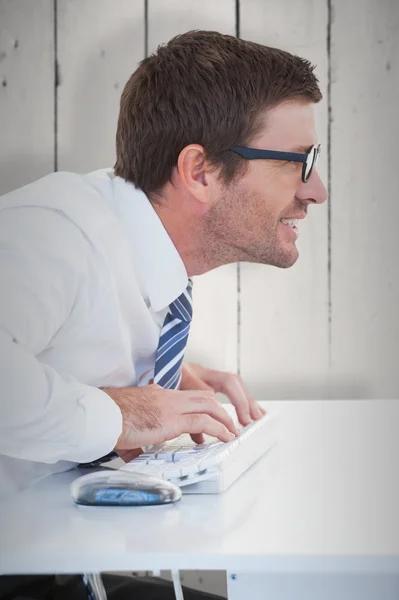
216	153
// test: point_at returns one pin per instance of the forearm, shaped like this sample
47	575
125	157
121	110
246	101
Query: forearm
47	417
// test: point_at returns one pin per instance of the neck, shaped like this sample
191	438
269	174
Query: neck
195	244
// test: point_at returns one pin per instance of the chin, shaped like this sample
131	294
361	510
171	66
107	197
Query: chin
286	259
282	256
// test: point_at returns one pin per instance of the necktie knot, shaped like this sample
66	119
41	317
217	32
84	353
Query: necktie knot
182	307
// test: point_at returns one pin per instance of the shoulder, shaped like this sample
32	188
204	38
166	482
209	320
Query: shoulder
61	209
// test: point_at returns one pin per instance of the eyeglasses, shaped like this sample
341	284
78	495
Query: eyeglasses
309	159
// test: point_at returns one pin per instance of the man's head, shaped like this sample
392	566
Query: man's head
183	111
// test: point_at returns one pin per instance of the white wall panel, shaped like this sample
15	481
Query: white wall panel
283	350
99	46
213	335
284	313
26	92
365	206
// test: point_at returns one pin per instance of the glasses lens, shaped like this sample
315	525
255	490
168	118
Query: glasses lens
310	162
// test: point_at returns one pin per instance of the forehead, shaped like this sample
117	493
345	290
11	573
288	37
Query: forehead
290	125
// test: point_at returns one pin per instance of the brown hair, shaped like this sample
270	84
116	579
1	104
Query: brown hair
207	88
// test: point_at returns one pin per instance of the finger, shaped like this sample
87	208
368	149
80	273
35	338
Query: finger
235	392
128	455
255	410
230	385
206	403
192	382
198	438
200	423
247	403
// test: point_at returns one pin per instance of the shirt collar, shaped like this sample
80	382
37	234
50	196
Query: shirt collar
160	269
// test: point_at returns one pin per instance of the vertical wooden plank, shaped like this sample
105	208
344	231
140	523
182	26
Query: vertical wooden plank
213	335
26	92
99	46
284	313
365	207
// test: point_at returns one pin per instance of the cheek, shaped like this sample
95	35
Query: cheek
279	196
276	184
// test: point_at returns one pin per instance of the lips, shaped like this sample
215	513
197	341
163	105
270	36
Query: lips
294	217
290	222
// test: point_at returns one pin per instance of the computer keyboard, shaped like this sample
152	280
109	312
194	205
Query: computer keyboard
208	468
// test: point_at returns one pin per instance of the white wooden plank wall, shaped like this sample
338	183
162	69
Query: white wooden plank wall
26	92
365	205
99	46
284	313
271	324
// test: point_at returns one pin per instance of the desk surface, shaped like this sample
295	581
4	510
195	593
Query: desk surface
325	498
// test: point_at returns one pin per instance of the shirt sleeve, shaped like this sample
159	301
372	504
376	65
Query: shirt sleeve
45	416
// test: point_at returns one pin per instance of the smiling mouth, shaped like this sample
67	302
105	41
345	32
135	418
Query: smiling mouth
291	222
290	225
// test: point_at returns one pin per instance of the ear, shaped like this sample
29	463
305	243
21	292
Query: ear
194	172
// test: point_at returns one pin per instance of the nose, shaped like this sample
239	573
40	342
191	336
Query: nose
313	191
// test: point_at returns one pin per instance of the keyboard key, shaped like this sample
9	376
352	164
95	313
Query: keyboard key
145	467
166	453
187	453
184	462
172	472
145	457
208	446
188	466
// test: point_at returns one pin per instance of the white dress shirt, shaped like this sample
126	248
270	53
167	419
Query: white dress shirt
87	274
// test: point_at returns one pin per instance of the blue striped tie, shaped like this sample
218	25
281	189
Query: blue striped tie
173	340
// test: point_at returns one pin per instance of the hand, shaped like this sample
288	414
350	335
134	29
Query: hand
152	414
199	378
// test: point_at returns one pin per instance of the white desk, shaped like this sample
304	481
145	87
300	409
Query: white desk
325	500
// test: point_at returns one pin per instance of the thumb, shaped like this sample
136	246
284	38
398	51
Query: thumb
128	455
198	438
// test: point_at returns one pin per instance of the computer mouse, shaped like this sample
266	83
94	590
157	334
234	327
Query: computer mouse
123	488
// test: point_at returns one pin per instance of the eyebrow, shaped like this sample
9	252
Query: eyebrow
301	149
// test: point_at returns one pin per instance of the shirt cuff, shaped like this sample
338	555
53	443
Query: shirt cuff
103	426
